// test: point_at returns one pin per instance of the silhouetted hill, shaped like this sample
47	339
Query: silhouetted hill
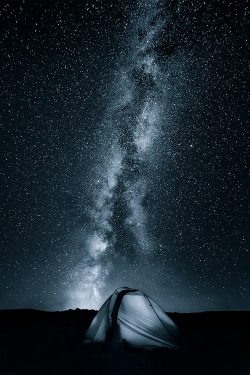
39	342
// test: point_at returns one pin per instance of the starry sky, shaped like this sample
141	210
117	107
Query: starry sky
125	153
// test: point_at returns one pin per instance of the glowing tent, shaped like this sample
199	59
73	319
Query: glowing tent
131	316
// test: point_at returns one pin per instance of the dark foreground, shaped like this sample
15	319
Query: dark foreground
38	342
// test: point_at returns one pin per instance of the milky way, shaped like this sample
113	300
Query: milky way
119	218
125	153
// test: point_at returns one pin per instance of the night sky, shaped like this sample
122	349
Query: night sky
125	153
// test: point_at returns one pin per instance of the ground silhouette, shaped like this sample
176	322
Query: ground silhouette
39	342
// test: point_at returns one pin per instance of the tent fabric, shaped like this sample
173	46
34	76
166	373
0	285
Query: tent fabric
132	316
99	325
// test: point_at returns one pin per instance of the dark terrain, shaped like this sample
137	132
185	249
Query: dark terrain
39	342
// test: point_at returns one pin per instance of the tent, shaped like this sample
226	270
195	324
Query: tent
130	316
